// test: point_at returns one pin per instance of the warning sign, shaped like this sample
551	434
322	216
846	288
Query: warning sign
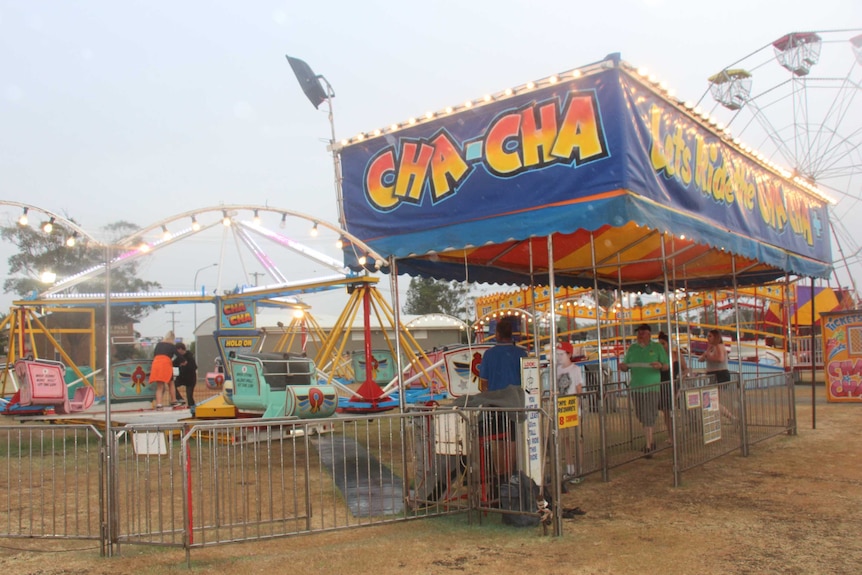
567	408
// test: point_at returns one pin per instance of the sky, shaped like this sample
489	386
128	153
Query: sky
138	111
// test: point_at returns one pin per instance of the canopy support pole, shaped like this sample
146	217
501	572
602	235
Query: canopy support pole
556	472
533	310
813	363
789	356
396	324
674	342
740	383
603	436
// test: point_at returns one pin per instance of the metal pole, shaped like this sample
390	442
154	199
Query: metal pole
813	363
336	161
603	437
396	324
740	382
556	475
399	369
109	438
537	336
173	320
789	342
672	341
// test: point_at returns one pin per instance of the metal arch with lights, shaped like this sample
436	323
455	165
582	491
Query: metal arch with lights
431	317
131	247
76	230
230	210
360	283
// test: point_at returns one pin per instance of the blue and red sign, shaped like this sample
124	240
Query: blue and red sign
600	150
236	315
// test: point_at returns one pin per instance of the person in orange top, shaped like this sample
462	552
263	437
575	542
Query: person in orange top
162	370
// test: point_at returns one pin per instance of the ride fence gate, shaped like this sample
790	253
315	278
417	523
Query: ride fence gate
742	412
194	484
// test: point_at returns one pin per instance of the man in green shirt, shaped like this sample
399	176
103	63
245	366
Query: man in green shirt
646	359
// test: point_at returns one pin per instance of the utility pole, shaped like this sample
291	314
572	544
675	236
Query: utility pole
256	275
173	321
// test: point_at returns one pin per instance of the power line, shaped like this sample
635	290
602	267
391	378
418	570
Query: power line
173	320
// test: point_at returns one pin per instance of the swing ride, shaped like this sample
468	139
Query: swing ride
269	385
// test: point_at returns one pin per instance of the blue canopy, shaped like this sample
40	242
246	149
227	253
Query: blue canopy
619	175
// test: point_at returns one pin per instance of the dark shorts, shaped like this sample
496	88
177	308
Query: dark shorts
721	376
646	406
664	403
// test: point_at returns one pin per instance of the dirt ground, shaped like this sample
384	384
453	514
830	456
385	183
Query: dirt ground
793	506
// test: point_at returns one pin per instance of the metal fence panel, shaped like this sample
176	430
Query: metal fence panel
147	480
709	420
770	407
53	479
192	484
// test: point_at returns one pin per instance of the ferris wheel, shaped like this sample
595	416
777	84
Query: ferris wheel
798	101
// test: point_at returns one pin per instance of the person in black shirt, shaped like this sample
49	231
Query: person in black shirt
670	388
188	373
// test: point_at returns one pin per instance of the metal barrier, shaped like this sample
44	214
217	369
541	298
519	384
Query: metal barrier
709	420
714	419
770	407
217	482
148	503
54	481
608	434
613	437
195	484
220	482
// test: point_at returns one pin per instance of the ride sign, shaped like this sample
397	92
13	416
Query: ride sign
567	408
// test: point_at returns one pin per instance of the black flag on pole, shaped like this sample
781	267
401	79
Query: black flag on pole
308	80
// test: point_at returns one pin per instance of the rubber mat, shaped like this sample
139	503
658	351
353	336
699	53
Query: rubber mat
370	488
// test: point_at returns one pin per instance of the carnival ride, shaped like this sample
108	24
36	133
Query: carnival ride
768	311
795	102
279	385
237	334
596	177
619	242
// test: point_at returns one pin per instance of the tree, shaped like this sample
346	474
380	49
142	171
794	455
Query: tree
428	295
39	251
